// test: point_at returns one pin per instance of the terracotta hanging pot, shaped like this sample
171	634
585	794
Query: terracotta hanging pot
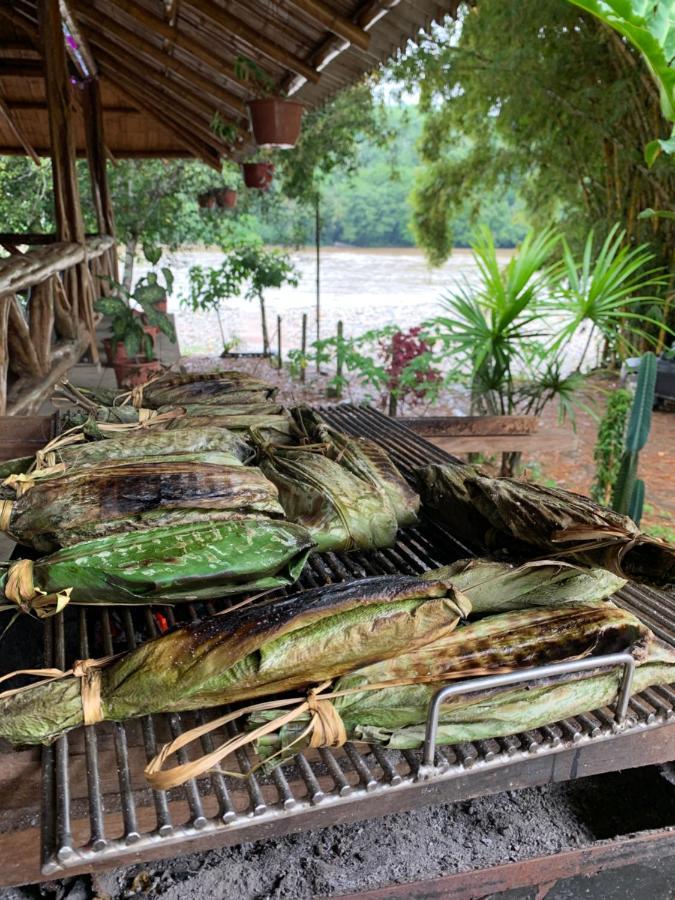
226	198
276	122
258	175
207	200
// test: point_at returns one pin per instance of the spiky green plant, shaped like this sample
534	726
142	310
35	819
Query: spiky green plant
629	492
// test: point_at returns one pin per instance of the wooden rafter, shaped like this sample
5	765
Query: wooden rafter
17	130
333	22
253	37
140	98
193	110
158	27
99	26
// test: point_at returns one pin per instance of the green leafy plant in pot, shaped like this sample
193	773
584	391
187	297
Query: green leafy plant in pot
131	349
276	121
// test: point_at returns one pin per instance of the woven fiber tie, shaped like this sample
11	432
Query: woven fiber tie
20	589
6	507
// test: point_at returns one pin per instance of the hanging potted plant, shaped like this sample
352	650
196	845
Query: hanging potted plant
226	198
275	120
258	175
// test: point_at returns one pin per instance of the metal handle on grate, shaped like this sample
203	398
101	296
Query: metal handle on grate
625	660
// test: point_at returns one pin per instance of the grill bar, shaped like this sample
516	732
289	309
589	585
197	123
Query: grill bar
308	789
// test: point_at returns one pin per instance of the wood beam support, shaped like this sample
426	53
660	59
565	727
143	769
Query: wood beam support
202	151
178	110
17	130
5	300
100	26
96	156
83	49
338	25
239	29
159	28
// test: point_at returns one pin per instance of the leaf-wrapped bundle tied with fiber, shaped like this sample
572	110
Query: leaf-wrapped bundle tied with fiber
172	564
395	716
151	442
341	511
127	494
363	458
220	388
529	519
277	427
254	651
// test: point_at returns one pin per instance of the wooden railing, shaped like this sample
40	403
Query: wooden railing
47	317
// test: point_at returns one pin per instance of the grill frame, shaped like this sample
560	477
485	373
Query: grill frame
321	788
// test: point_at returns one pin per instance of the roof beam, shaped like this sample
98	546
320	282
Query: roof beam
188	104
18	131
140	97
253	38
337	24
104	26
159	27
82	46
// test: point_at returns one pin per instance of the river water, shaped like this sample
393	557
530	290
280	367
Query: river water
363	288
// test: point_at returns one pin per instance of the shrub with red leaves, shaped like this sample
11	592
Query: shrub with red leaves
407	358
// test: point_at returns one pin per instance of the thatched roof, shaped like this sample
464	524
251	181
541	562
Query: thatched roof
167	67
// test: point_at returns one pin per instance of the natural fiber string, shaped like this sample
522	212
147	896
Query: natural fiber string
24	482
6	507
21	591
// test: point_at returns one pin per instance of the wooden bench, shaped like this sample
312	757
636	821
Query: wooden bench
492	434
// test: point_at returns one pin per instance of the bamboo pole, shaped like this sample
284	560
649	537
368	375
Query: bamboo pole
237	28
4	352
155	26
317	237
339	361
96	156
41	322
303	349
98	23
333	22
279	357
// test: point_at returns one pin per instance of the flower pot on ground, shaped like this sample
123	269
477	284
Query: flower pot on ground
258	175
162	306
134	372
115	352
226	198
276	122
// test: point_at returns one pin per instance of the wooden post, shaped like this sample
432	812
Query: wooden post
96	156
317	237
339	359
279	343
67	208
303	348
4	351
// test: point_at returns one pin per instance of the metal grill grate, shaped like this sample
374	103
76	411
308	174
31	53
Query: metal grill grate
96	806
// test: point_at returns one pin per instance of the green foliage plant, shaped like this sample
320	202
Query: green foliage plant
629	491
123	306
609	445
610	294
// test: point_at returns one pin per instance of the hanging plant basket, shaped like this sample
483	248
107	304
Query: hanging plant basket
276	122
207	200
258	175
226	198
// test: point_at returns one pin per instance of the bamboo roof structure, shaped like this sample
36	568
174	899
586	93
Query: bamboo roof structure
167	67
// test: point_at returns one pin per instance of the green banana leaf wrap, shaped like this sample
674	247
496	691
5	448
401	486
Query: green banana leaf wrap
396	716
250	652
527	519
341	511
220	388
196	561
118	495
278	428
365	459
500	587
155	443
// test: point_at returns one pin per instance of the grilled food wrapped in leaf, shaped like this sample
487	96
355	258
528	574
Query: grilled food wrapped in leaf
363	458
341	511
80	503
219	388
250	652
168	565
529	519
396	715
277	427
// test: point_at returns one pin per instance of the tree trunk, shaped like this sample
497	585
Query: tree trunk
510	463
263	322
129	256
